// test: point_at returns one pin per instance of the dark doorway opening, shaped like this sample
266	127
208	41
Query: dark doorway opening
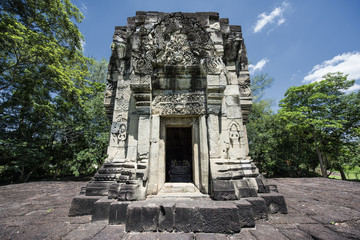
178	154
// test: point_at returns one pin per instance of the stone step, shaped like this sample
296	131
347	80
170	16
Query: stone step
179	195
179	190
183	215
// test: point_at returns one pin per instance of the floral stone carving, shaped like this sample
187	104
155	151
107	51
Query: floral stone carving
179	104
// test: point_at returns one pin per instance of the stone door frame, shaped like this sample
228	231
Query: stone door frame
200	155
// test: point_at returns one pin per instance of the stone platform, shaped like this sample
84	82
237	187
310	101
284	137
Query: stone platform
317	209
180	207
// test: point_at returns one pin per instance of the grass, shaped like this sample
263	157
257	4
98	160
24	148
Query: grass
351	174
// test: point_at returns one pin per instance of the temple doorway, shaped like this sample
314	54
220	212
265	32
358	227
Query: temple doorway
179	154
180	138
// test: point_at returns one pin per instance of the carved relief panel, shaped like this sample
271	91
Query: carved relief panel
176	40
118	131
179	104
236	140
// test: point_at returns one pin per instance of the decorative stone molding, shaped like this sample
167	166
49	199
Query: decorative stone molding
244	87
179	104
213	65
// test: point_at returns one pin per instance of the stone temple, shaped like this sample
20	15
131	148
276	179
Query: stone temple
178	98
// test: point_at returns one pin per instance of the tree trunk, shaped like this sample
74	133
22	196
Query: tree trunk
22	174
321	160
341	170
28	176
56	173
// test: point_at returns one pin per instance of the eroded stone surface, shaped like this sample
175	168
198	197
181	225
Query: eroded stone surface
39	210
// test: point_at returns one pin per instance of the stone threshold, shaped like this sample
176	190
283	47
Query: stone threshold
179	190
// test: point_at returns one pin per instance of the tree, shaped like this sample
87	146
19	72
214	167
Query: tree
258	85
260	134
94	125
259	120
81	134
42	72
261	125
323	111
98	71
276	150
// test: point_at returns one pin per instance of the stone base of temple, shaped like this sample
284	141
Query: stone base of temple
181	214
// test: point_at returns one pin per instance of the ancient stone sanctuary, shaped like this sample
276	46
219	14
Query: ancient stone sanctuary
178	97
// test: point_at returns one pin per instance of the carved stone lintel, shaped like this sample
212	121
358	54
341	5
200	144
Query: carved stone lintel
179	104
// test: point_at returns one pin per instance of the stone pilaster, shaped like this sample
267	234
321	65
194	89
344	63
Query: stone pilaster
153	185
204	156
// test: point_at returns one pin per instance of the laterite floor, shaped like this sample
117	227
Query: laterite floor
318	209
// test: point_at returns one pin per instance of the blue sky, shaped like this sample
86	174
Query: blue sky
294	42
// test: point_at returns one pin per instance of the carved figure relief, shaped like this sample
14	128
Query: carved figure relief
119	45
179	104
142	63
236	137
177	52
234	134
118	130
244	88
242	58
123	97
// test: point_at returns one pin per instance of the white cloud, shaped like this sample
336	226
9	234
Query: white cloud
281	21
355	87
275	15
347	63
258	66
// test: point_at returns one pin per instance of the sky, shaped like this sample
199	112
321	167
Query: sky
294	42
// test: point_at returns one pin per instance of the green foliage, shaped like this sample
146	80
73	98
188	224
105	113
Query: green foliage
318	123
98	71
351	173
277	151
325	115
94	128
258	85
51	109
